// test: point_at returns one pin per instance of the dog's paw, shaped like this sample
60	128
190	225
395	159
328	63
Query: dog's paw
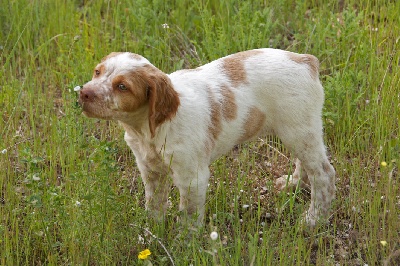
314	219
283	182
309	219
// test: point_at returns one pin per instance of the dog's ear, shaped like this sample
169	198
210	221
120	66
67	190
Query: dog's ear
163	99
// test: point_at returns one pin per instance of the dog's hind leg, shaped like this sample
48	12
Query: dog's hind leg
298	178
313	167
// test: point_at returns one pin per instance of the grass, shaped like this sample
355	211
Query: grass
70	191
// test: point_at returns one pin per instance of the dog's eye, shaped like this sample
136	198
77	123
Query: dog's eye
96	72
122	87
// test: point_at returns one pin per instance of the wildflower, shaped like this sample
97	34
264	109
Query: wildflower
214	235
165	26
77	203
384	164
4	151
36	177
144	254
140	240
77	88
383	243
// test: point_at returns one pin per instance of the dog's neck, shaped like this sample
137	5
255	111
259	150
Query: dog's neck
137	124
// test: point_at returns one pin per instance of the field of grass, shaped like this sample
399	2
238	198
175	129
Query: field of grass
70	193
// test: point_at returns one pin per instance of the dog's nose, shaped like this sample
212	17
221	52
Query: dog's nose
86	94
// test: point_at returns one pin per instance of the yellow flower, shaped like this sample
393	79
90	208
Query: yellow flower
383	243
384	164
144	254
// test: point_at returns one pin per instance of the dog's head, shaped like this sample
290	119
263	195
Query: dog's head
125	86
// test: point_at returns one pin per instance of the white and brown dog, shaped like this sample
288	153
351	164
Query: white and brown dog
177	124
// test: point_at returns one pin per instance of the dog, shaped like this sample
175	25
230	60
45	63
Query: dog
177	124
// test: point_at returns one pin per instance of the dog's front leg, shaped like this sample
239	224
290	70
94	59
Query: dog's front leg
192	187
156	187
155	176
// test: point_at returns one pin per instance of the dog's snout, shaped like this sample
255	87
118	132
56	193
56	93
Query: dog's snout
86	94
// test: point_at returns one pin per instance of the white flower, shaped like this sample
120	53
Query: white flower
214	235
165	26
140	240
77	203
4	151
77	88
36	177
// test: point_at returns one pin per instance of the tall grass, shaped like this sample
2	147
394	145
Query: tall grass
70	191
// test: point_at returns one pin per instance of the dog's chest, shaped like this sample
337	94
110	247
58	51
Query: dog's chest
146	154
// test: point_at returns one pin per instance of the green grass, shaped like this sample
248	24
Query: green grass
66	182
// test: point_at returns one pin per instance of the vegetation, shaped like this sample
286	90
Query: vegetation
71	194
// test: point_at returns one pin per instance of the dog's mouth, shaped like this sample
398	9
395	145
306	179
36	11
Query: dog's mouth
90	107
95	111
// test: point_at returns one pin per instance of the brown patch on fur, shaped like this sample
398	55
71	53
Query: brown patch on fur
310	60
163	99
233	66
100	68
150	84
253	125
215	126
229	107
136	94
